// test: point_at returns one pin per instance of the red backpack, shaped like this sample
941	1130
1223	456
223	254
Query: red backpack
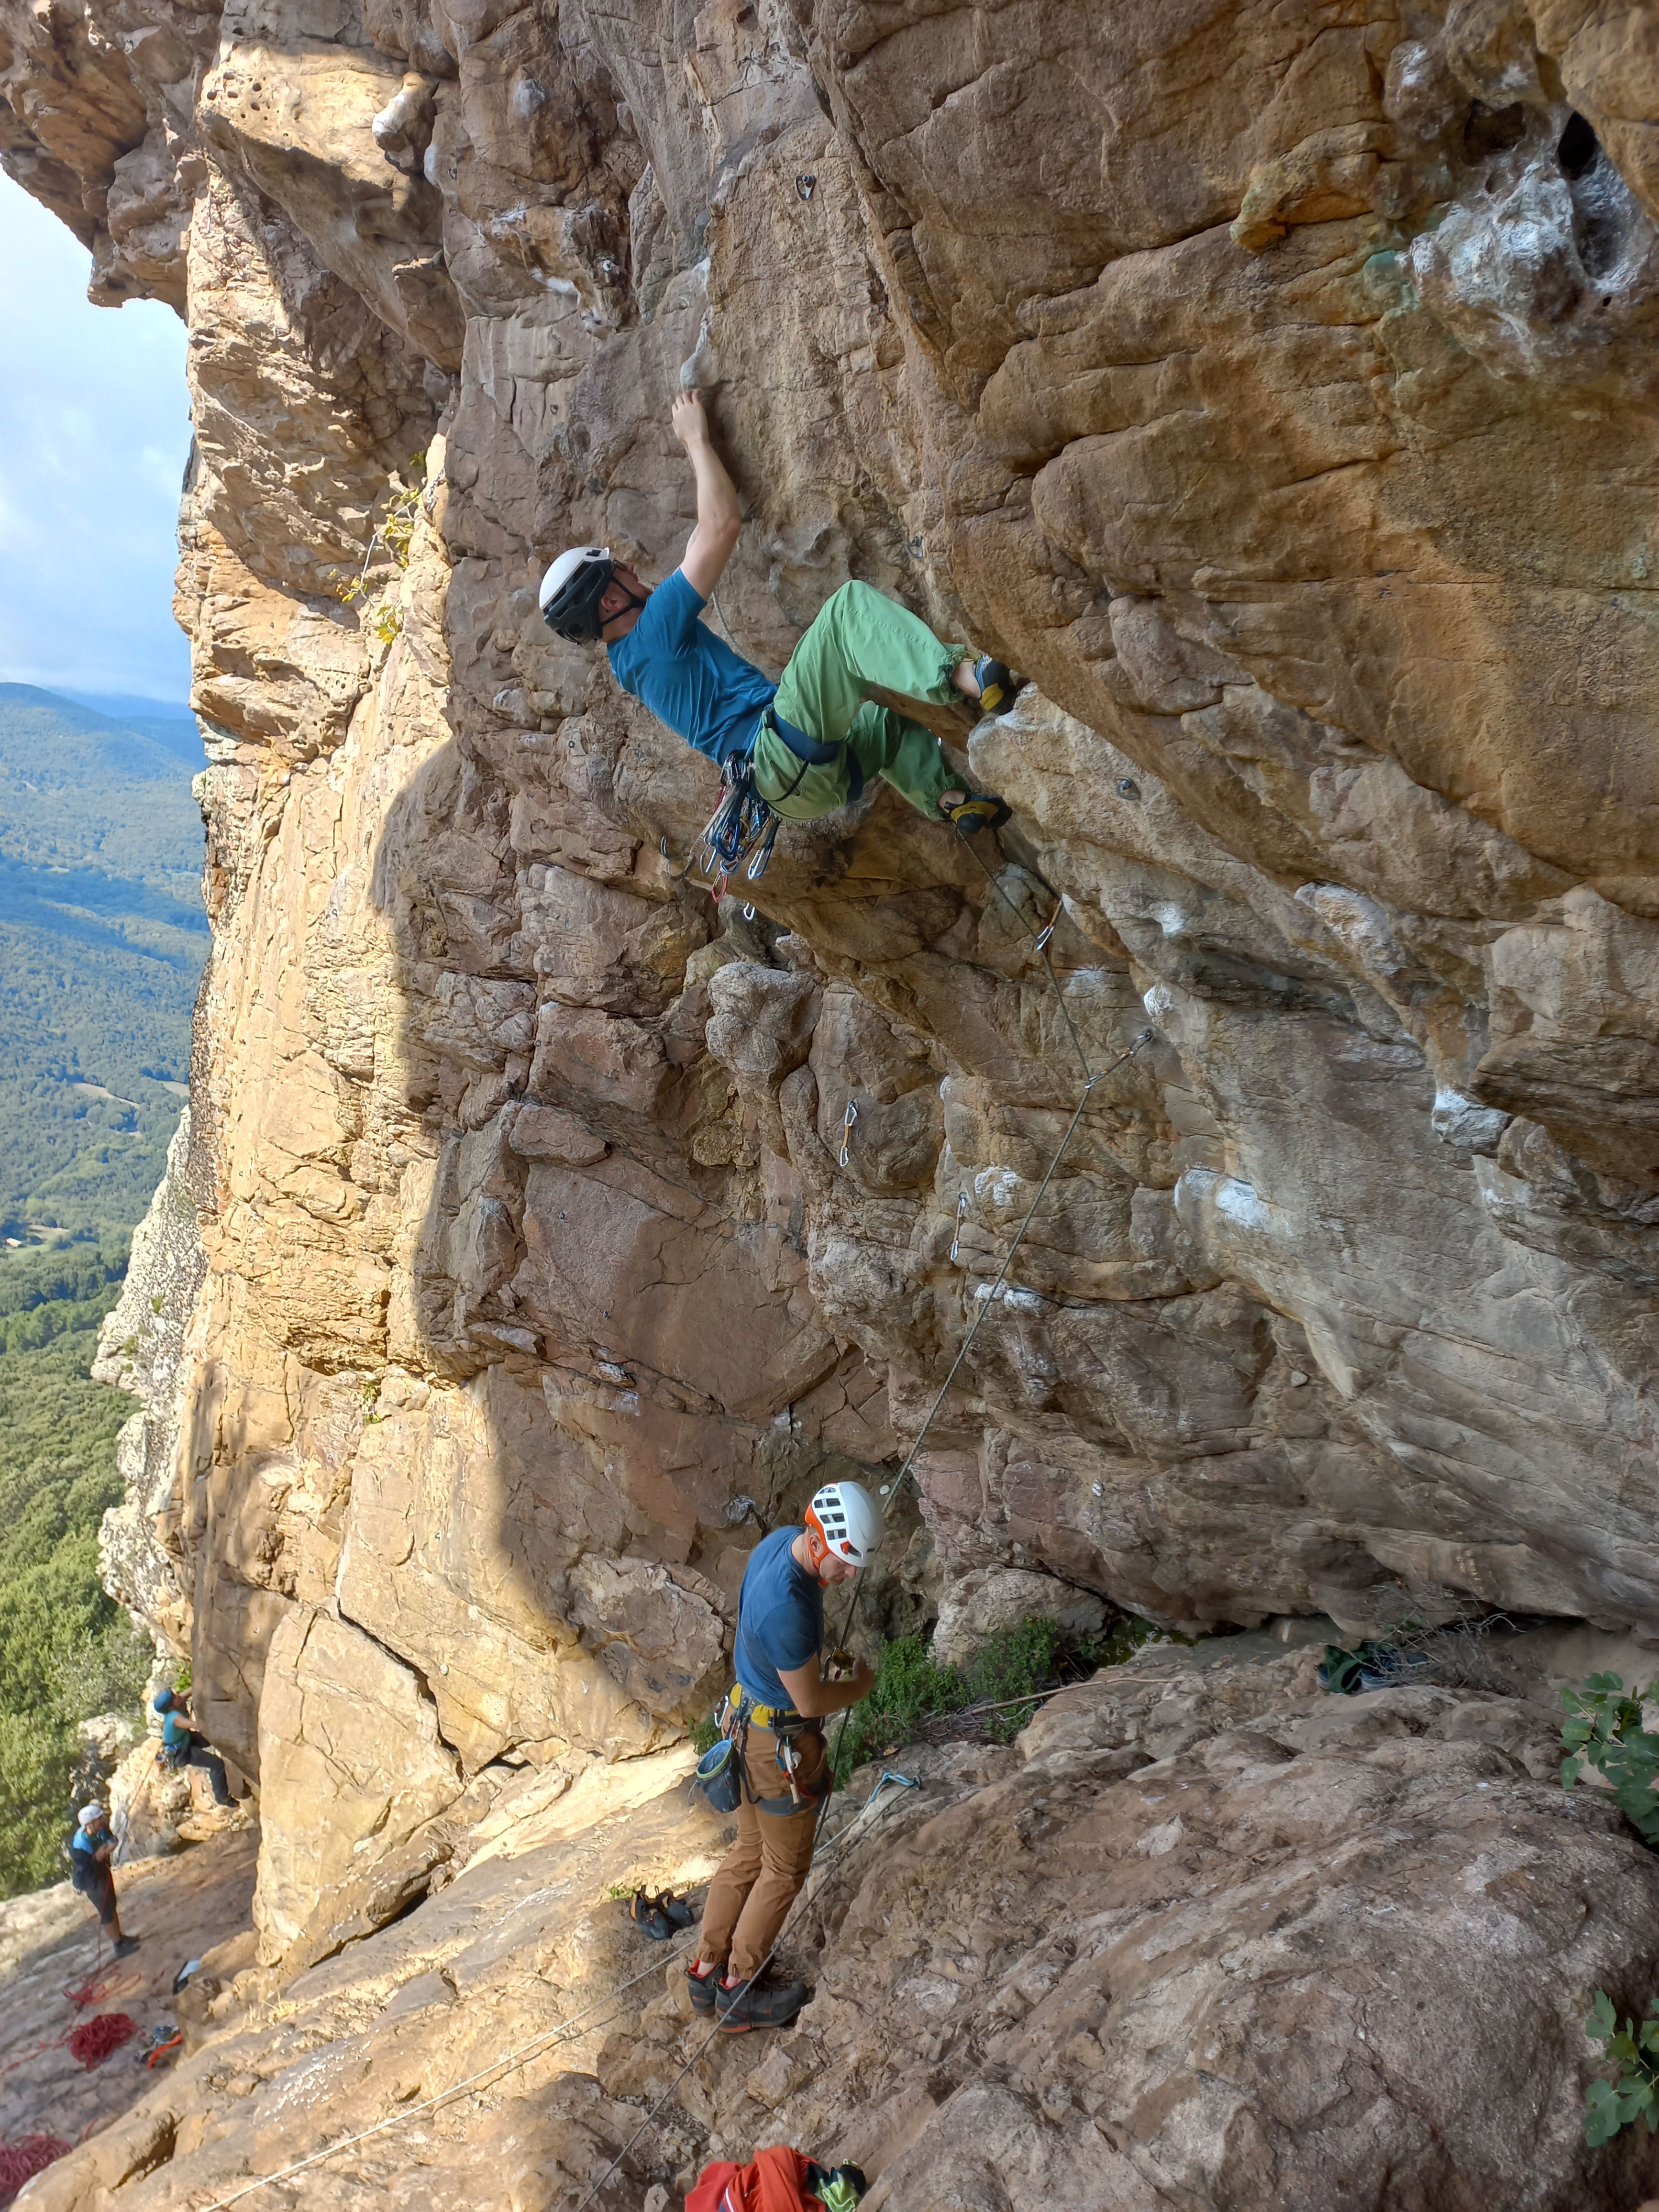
776	2181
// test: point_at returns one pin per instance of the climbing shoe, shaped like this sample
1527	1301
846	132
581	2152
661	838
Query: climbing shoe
646	1912
126	1946
703	1988
980	810
745	2005
998	684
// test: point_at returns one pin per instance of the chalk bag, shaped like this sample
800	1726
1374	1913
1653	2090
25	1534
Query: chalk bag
720	1777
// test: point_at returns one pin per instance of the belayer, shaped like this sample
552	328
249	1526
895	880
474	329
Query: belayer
92	1847
813	740
775	1715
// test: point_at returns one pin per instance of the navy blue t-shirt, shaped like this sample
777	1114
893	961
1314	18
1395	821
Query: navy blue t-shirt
780	1618
689	677
88	1873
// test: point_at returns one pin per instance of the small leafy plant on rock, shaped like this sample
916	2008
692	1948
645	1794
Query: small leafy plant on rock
1610	2105
382	616
1604	1729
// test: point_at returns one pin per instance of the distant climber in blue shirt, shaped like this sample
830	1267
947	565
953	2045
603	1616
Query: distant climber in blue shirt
182	1745
814	738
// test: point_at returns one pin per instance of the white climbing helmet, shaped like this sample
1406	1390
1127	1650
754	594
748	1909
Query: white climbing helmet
848	1520
90	1815
571	591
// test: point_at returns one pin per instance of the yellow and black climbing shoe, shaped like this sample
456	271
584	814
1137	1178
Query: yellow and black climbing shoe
748	2005
997	683
979	809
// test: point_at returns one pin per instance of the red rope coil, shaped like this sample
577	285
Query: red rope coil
95	2039
21	2160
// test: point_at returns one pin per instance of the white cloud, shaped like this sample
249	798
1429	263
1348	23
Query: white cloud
94	431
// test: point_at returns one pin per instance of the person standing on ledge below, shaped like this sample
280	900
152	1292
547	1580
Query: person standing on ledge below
813	739
91	1848
184	1745
777	1710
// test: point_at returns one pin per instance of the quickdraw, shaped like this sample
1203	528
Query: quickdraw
851	1116
743	828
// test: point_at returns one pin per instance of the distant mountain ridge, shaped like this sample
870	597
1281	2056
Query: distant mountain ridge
170	726
102	939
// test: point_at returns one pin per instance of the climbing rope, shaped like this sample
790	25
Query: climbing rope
505	2064
508	2060
95	2039
890	1493
20	2161
1040	938
551	2038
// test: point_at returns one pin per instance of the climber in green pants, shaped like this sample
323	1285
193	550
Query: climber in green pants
813	739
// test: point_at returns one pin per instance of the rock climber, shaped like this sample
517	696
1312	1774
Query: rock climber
184	1745
91	1848
813	739
776	1710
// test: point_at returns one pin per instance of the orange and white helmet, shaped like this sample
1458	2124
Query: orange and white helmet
848	1521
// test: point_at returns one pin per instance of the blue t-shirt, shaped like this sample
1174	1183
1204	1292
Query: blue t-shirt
780	1618
689	677
175	1731
88	1873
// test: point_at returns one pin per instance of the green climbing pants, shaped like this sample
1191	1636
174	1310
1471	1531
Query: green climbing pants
857	638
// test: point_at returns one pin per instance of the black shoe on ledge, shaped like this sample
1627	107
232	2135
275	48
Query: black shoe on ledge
749	2004
703	1988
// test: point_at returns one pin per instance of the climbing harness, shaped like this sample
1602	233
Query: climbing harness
722	1772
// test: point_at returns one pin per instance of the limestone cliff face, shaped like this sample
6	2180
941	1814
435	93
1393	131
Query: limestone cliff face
1277	389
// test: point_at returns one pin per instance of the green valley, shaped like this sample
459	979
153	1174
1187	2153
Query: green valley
102	939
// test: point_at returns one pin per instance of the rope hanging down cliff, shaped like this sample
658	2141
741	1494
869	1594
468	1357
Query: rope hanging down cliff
519	2054
891	1494
550	2037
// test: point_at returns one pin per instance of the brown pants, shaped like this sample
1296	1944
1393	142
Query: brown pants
762	1872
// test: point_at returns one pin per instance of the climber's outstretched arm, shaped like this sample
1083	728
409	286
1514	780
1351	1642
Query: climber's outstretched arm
719	520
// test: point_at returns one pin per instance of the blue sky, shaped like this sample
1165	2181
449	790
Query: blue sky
94	431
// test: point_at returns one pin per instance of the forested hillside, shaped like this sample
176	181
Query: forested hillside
66	1651
102	938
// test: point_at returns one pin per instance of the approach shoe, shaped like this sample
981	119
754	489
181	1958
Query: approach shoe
751	2004
979	809
126	1946
998	684
702	1988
